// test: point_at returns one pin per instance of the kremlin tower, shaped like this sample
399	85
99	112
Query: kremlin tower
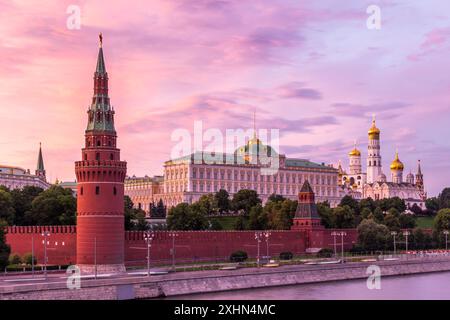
374	156
100	188
40	170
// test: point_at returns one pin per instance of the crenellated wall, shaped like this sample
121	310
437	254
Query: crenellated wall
190	246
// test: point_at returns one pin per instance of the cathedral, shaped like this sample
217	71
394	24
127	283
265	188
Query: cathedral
374	183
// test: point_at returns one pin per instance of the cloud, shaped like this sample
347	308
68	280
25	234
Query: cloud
297	90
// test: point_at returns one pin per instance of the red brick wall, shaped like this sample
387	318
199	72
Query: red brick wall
61	248
189	245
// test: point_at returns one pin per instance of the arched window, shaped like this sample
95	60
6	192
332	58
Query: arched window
97	190
111	157
97	156
114	190
81	191
98	143
85	156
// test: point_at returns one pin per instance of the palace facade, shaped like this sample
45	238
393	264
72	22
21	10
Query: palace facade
16	178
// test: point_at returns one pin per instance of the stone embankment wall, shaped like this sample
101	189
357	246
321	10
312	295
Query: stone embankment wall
213	281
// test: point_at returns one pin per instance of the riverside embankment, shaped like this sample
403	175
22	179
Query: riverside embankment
139	287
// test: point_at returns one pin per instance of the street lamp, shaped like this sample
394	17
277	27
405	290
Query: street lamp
173	235
258	236
406	234
148	237
45	234
394	234
267	235
334	234
446	237
342	234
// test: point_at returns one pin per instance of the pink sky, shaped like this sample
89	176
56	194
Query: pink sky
309	68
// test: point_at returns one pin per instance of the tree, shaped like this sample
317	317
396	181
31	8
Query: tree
421	240
389	203
365	213
392	221
442	220
344	217
407	221
208	204
240	223
186	217
158	211
416	209
378	215
432	204
444	199
257	219
128	212
372	236
54	206
326	214
276	198
244	200
349	201
5	249
367	203
222	199
22	199
7	212
140	223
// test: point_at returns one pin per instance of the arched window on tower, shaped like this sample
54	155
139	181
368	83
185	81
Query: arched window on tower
111	156
97	156
81	191
114	190
98	143
97	190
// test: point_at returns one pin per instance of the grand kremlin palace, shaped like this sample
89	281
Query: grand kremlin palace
187	178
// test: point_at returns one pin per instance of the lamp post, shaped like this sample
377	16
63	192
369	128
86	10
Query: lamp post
95	257
446	237
173	235
148	237
406	234
394	234
267	236
342	244
334	234
258	236
45	234
32	255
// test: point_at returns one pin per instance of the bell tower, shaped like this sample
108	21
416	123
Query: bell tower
100	185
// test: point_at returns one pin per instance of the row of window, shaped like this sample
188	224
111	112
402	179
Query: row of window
100	175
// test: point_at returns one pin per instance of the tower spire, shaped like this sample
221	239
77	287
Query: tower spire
101	114
40	170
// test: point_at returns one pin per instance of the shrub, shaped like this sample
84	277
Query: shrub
325	253
28	259
238	256
14	259
287	255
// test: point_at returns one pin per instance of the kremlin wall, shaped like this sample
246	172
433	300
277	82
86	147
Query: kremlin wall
190	246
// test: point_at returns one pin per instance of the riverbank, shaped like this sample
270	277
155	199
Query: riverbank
170	285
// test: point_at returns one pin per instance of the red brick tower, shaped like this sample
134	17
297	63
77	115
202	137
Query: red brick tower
307	219
100	188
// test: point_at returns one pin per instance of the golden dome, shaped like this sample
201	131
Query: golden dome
397	164
355	152
374	132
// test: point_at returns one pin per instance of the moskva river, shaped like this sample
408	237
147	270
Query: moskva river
420	287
